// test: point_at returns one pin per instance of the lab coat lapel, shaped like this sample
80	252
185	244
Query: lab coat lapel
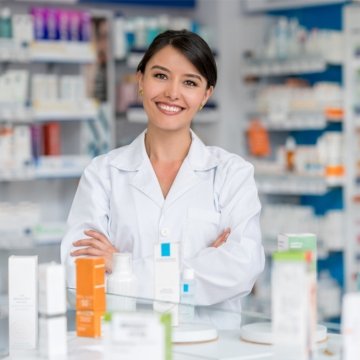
145	181
134	160
184	181
198	160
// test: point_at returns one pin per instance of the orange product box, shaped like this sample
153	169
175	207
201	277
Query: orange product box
90	284
88	323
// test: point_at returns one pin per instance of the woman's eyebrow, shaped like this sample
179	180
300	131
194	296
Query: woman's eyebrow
159	67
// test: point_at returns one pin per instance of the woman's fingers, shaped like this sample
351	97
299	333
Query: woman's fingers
96	245
89	251
221	239
92	242
97	235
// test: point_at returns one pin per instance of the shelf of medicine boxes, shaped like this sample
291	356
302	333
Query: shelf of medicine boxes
209	114
288	66
48	51
86	109
49	167
294	184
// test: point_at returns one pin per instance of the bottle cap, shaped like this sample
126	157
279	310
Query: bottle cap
189	274
122	262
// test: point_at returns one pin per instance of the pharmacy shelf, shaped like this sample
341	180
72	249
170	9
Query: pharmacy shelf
49	110
48	51
292	121
50	167
299	65
293	184
134	57
205	116
268	5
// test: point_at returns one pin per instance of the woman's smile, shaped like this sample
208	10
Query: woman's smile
169	109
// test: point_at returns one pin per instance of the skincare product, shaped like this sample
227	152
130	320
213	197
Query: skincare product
23	303
187	296
5	23
90	295
122	284
167	279
291	313
139	336
52	310
350	326
305	242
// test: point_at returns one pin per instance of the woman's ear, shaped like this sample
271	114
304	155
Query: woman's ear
208	93
139	79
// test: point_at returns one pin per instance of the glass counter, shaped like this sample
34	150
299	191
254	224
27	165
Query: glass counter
202	338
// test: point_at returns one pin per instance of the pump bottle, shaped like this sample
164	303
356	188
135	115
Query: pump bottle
122	284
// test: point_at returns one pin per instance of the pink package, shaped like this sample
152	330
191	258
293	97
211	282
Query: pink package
74	22
64	25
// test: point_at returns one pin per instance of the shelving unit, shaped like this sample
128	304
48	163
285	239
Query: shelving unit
351	71
51	181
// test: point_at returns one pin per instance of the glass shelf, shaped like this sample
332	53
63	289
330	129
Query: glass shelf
277	67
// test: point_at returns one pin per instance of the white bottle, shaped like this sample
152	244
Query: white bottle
187	296
122	284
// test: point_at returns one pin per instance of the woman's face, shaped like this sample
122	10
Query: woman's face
173	90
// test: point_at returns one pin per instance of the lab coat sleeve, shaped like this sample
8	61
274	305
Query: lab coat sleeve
231	270
89	210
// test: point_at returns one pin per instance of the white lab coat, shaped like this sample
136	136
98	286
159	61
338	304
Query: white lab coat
120	196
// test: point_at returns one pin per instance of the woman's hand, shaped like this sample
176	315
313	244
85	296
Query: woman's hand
96	245
221	238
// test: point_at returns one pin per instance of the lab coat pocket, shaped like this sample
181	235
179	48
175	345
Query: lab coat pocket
202	229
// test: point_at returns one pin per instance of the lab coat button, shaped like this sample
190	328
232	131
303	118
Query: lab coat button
164	231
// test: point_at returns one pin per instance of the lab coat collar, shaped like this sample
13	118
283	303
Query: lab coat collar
134	155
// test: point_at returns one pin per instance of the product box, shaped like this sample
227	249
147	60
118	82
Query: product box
90	284
39	19
350	326
293	300
139	336
88	323
23	300
304	242
52	289
52	139
167	279
301	241
53	336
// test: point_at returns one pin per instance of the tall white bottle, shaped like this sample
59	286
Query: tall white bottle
187	297
122	284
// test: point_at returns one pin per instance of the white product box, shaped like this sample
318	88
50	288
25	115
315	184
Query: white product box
23	312
52	289
138	336
53	336
167	279
350	326
291	305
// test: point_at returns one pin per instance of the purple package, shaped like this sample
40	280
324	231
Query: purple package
36	134
51	24
64	25
85	26
39	23
74	21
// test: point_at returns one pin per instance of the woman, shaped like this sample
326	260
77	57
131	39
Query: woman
168	186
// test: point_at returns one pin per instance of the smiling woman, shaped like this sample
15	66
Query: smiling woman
167	186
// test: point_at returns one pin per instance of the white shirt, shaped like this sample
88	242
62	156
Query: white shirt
120	196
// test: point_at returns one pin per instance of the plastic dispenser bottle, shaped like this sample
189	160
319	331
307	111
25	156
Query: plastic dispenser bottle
187	296
122	284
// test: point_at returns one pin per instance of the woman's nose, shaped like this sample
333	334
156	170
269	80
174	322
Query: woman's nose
172	90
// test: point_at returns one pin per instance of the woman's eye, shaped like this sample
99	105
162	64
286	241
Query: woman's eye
160	76
190	83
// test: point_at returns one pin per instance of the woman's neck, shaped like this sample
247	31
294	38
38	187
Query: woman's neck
167	146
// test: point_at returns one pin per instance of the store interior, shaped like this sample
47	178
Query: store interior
287	101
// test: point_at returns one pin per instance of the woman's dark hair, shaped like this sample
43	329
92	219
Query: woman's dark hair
191	45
